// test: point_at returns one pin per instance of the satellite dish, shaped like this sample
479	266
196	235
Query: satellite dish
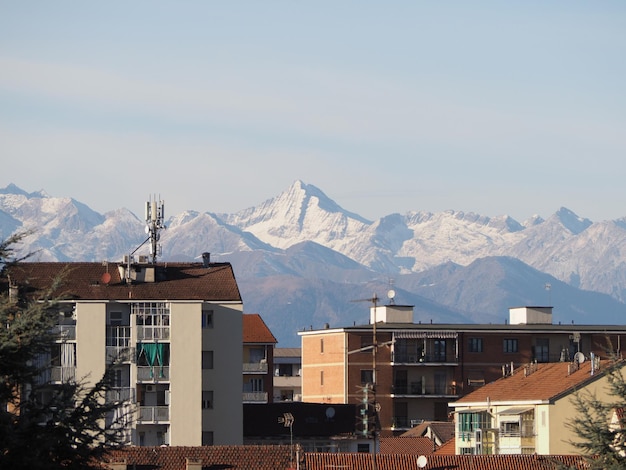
106	278
391	294
422	461
579	357
330	412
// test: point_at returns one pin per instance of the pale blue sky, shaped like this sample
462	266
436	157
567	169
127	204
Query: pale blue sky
512	108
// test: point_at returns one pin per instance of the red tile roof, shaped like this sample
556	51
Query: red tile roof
102	281
546	382
319	461
255	330
231	457
406	445
447	448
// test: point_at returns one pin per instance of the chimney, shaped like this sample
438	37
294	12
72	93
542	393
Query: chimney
206	259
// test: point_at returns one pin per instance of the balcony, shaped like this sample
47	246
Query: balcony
153	414
153	374
255	368
424	359
153	333
62	374
120	394
120	354
64	332
419	389
255	397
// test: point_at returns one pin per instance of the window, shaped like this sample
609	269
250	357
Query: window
367	340
363	448
207	319
207	399
440	350
510	345
207	360
475	345
152	319
542	350
322	345
115	318
367	376
207	438
322	377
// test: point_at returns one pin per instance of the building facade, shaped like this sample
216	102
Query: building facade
171	332
258	360
287	374
418	369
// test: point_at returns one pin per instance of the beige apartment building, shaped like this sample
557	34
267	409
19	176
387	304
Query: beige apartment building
176	330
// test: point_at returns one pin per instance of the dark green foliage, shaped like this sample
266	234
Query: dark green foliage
44	426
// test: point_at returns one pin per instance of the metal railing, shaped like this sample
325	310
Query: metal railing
154	373
120	353
153	414
406	358
152	333
62	374
120	394
64	332
255	367
255	397
419	389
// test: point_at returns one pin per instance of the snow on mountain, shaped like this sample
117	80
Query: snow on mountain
451	265
300	213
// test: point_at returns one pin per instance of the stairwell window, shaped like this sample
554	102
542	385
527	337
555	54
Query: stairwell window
207	360
510	345
207	400
207	319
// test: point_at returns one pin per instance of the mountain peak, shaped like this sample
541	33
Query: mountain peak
571	221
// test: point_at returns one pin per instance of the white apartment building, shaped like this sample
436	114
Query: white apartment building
176	329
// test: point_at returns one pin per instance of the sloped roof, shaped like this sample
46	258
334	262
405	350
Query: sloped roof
287	352
444	430
406	445
447	448
255	330
321	461
275	457
547	382
102	281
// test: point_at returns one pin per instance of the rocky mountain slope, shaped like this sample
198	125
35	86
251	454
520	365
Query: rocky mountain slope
301	259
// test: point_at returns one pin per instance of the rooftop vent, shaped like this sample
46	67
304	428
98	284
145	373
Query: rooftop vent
206	259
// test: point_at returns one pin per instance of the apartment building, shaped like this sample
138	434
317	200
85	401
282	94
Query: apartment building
527	411
258	360
419	368
287	374
175	330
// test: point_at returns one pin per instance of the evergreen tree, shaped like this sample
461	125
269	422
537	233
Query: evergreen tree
600	424
44	426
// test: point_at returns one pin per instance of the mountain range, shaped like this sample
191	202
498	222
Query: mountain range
302	261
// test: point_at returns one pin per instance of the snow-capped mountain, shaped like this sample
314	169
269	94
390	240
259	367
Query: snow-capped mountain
300	258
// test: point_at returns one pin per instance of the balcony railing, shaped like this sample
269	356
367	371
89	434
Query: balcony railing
406	358
154	373
64	332
120	353
255	397
153	333
153	414
119	394
62	374
255	367
419	389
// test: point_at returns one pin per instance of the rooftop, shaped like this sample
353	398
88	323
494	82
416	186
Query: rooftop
255	330
536	382
103	281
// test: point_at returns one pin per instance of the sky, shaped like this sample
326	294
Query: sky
514	108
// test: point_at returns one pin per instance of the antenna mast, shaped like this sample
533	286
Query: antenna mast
155	222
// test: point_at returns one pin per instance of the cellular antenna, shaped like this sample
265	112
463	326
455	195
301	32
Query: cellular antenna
155	222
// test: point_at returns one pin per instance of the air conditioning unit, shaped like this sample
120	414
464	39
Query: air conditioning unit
150	388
